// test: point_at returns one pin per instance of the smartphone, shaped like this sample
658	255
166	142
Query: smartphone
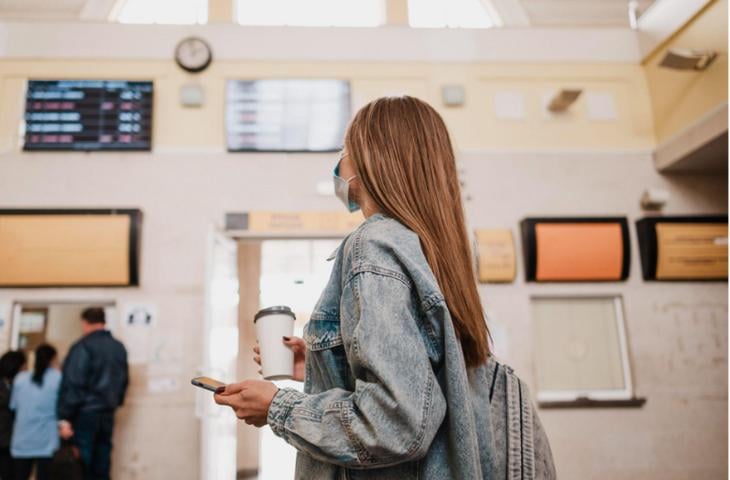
207	383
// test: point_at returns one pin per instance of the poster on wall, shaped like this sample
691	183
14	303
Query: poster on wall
576	249
6	314
6	310
137	323
496	253
683	248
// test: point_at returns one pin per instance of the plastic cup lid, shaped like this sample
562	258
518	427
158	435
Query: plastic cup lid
278	309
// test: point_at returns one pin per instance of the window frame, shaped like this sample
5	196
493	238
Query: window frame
573	395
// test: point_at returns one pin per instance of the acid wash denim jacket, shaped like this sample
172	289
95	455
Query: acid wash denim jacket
387	394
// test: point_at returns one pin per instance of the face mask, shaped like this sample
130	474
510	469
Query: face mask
342	190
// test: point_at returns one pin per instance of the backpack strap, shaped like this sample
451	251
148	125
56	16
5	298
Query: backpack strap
520	438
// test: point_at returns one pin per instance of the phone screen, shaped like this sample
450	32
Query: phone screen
207	383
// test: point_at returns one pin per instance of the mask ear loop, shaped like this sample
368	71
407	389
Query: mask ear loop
337	168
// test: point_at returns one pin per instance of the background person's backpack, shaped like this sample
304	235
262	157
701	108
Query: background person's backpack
66	464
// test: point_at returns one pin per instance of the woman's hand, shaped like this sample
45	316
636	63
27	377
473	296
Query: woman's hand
249	399
297	346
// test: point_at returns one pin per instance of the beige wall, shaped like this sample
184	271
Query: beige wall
677	331
511	169
473	127
679	98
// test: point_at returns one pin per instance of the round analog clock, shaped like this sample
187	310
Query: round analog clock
193	54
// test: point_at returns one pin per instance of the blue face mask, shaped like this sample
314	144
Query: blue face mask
342	189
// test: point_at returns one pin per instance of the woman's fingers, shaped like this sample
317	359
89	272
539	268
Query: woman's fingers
256	350
257	359
220	399
231	389
295	343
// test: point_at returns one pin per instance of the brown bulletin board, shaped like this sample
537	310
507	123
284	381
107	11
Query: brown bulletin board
65	248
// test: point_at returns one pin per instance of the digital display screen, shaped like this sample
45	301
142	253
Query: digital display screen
88	115
287	115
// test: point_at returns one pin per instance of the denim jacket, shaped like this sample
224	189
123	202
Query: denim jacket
387	394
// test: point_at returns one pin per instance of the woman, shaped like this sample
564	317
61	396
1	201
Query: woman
34	397
399	378
10	364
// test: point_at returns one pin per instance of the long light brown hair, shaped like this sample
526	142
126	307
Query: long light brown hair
404	159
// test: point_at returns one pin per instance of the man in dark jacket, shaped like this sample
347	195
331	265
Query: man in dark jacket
95	378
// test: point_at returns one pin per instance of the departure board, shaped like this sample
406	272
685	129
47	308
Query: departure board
287	115
88	115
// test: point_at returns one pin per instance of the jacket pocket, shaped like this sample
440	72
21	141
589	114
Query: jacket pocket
326	366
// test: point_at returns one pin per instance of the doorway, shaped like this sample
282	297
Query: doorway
277	271
293	273
54	322
243	275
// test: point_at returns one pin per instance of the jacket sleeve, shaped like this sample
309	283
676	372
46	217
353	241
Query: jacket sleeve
125	375
13	403
73	383
397	406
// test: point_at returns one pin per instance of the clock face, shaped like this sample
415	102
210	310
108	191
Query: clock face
193	54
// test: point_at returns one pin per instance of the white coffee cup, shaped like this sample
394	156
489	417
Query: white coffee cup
272	323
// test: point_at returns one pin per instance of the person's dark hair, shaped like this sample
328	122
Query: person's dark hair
10	364
44	355
94	315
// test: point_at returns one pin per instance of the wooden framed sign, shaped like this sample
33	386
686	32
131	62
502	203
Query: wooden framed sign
683	247
69	248
496	253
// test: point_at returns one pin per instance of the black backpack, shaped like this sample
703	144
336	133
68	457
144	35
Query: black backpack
66	464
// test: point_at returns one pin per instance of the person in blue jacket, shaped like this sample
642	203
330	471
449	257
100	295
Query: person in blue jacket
33	398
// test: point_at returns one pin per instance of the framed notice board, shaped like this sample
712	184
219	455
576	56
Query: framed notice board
69	248
565	249
683	247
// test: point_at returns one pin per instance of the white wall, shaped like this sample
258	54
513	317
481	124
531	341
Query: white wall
678	332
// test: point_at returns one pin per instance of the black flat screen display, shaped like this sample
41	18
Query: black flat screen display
88	115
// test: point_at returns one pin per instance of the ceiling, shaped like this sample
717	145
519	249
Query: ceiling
559	13
565	13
